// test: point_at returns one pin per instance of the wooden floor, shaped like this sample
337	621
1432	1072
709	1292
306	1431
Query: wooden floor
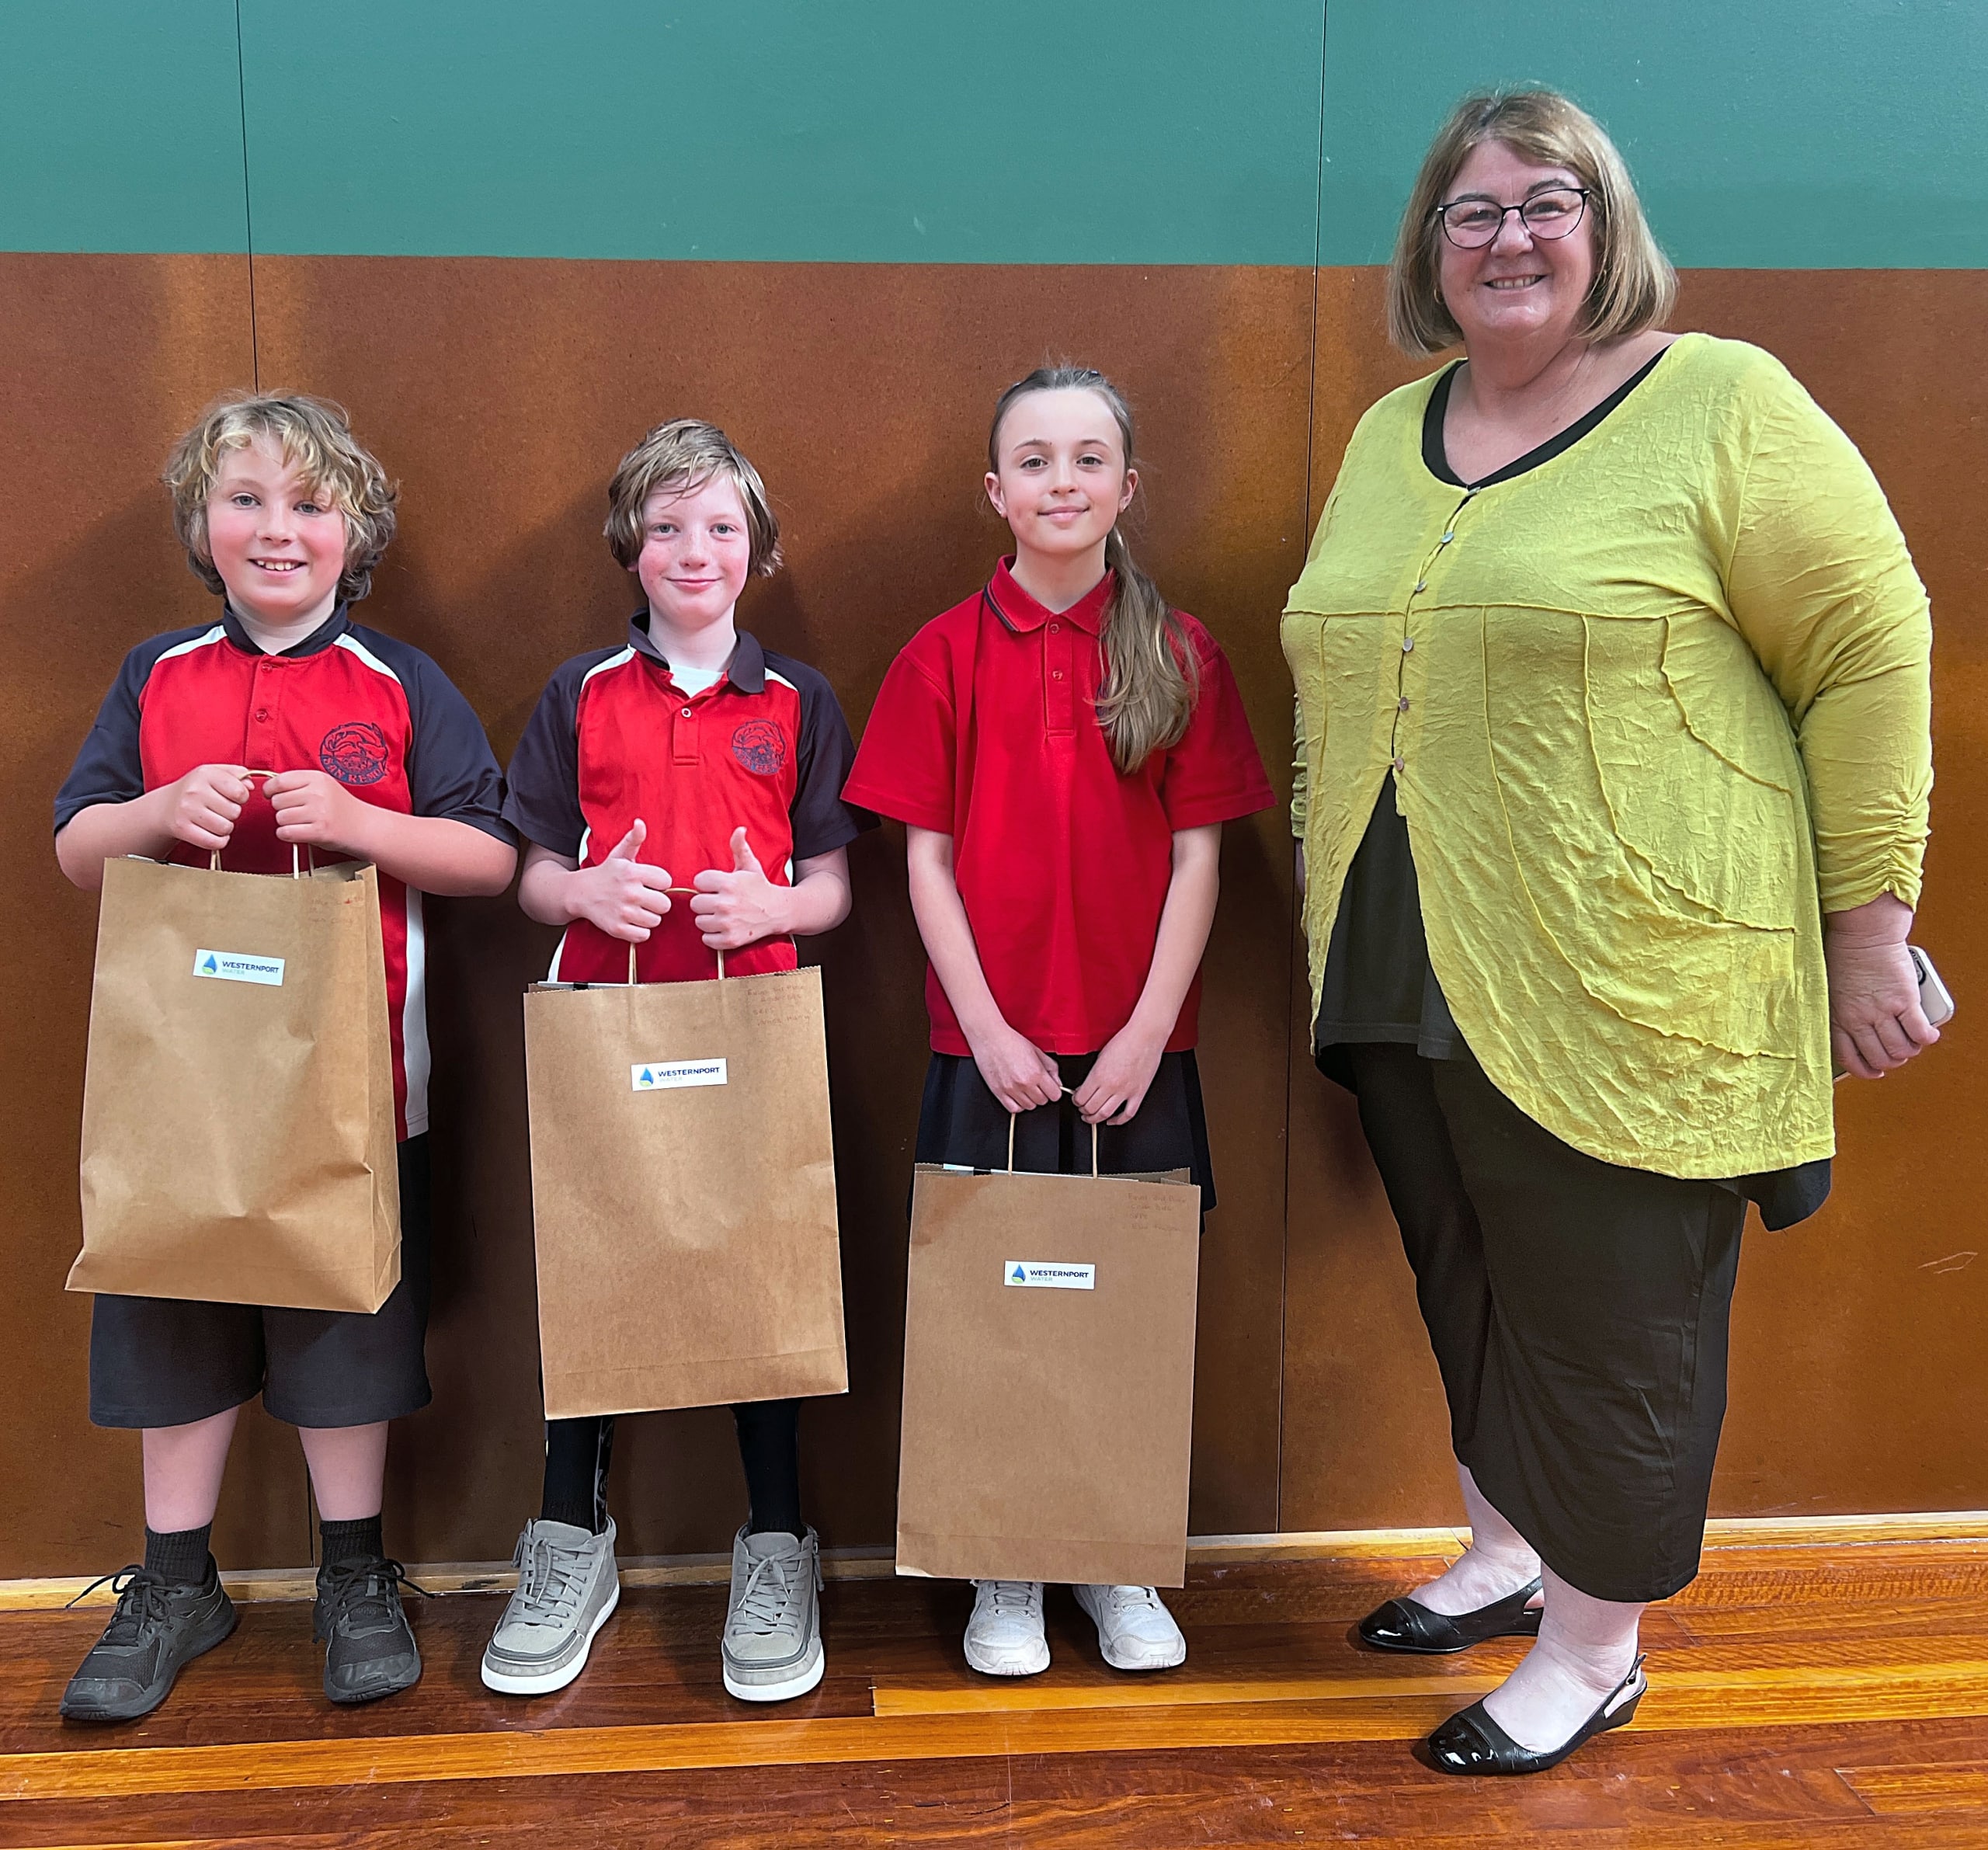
1816	1695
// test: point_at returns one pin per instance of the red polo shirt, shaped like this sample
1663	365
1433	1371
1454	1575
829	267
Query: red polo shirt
372	710
614	738
985	729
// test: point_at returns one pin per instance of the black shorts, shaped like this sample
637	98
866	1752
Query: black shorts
167	1361
960	1121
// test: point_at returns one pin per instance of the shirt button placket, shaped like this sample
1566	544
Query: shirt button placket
267	706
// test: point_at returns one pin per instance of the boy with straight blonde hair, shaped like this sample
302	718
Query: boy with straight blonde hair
363	750
686	756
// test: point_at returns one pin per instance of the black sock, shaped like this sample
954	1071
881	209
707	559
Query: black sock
180	1555
359	1540
577	1455
769	1447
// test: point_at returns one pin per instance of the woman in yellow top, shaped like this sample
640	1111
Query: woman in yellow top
1612	685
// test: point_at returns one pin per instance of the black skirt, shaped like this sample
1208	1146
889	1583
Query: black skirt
961	1121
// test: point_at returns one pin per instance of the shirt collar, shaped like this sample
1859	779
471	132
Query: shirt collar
323	637
746	670
1022	614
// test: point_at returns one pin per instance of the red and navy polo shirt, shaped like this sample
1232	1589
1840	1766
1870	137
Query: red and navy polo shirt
613	737
371	710
985	729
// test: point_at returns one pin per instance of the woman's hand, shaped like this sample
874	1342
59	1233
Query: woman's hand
1017	1072
1875	1022
1116	1085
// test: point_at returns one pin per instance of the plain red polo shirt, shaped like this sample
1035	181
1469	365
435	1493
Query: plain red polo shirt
985	729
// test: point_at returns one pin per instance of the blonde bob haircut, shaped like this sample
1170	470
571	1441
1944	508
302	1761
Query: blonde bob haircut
1634	284
683	455
314	437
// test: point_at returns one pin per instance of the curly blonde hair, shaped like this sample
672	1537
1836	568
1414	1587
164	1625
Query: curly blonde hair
314	437
684	454
1634	287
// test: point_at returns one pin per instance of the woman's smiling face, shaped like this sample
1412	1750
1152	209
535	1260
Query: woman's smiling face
1518	286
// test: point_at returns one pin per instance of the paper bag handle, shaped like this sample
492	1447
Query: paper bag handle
689	893
296	871
1013	1115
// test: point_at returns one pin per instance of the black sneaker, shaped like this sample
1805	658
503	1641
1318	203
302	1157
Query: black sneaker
159	1625
370	1648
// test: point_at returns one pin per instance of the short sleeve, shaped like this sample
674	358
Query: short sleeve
1215	773
110	767
1822	586
906	767
542	787
821	821
452	772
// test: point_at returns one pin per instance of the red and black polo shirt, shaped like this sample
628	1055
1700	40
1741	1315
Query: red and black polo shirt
613	738
985	729
371	710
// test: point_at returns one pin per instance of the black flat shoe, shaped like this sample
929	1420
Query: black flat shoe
1402	1626
1471	1742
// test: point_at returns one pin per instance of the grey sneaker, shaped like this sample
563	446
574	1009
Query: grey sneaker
567	1590
772	1633
159	1627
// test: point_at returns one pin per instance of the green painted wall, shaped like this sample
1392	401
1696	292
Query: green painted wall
120	126
1763	132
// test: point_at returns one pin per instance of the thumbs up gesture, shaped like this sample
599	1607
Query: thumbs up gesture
737	906
624	896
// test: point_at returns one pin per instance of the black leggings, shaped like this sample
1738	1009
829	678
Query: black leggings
578	1451
1579	1314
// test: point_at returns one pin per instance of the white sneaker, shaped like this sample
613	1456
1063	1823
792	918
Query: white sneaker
1004	1637
1134	1630
567	1588
772	1648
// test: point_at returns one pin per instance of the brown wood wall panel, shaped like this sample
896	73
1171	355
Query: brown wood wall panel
104	360
1857	1365
501	393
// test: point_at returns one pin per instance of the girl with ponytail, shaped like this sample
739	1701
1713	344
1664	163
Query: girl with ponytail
1063	748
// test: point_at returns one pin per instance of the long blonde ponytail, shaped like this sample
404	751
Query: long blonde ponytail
1151	674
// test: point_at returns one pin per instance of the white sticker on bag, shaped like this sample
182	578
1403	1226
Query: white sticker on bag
235	966
1057	1278
659	1075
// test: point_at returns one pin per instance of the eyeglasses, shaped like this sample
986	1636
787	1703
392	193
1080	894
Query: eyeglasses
1472	223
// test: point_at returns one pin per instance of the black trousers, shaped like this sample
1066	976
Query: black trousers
1579	1312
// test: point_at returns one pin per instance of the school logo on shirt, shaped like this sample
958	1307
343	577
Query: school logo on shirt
355	752
760	746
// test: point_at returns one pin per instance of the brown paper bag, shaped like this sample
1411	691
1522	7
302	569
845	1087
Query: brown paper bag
238	1139
683	1194
1048	1377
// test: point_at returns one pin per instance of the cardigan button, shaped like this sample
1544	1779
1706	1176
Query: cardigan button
1407	645
1401	764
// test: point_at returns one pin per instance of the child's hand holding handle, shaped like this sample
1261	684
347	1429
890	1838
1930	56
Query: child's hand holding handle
1017	1072
201	808
740	906
1116	1084
624	897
